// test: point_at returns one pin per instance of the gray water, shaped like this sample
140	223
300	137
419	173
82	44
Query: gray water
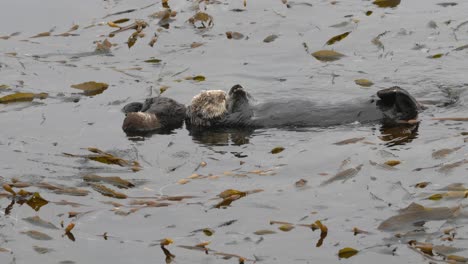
35	134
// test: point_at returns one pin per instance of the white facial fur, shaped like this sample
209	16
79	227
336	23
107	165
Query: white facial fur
210	104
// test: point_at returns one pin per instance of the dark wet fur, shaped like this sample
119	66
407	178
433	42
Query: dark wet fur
392	106
388	107
397	104
170	114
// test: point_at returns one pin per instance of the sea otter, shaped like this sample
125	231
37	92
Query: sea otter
218	109
215	109
157	114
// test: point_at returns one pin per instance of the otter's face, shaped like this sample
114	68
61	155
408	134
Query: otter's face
209	104
140	122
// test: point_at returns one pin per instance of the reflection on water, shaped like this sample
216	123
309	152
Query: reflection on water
141	136
398	135
222	136
391	135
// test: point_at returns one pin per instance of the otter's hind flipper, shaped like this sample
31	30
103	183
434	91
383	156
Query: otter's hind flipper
405	107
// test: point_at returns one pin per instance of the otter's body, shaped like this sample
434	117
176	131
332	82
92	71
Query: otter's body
303	113
391	106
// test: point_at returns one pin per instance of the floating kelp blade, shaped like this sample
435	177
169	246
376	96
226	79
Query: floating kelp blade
286	227
36	202
387	3
152	60
277	150
449	195
21	97
114	180
231	195
264	232
103	47
392	163
107	191
91	88
436	56
347	252
132	39
199	78
421	185
337	38
201	20
120	21
234	35
358	231
107	158
69	228
363	82
270	38
300	183
323	231
43	34
8	188
327	55
17	97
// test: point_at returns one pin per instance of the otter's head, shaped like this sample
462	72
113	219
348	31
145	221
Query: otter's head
136	122
207	107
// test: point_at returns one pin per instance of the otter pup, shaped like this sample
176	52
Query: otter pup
217	109
155	114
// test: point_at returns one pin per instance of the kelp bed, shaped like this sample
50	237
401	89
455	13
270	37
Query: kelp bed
76	189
